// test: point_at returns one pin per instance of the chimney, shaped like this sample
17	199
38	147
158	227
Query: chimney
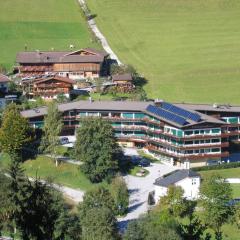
158	102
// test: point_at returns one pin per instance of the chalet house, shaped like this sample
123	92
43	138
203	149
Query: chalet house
4	81
48	88
187	179
124	82
84	63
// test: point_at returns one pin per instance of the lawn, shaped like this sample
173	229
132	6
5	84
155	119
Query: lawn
187	49
41	24
136	169
225	173
66	174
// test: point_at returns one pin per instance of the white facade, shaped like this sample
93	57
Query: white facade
190	185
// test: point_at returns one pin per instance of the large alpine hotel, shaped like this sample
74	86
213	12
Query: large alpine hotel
180	134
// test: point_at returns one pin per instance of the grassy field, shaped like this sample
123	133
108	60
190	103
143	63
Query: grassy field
65	174
187	49
225	173
41	24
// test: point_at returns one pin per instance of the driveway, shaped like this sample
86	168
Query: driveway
139	187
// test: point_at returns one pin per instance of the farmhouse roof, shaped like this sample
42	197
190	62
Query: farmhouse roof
44	57
175	177
4	78
61	79
122	77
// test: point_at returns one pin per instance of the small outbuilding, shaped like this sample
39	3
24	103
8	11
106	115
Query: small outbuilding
124	82
4	81
187	179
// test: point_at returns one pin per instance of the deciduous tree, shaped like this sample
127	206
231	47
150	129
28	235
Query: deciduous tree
99	197
215	195
174	201
97	148
156	225
15	131
51	131
99	223
119	192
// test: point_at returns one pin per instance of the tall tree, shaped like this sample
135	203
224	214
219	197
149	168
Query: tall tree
6	206
51	131
215	194
15	131
99	223
39	211
119	192
99	197
97	148
97	215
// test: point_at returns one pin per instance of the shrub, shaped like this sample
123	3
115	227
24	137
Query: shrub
220	166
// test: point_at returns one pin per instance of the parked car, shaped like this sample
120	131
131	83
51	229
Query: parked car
144	162
135	160
234	202
64	140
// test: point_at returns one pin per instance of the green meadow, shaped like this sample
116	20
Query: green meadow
41	24
187	49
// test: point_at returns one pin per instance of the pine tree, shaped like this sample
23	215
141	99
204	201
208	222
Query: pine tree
51	131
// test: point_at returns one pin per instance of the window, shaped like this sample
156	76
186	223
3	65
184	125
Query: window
188	142
216	130
196	141
215	140
215	149
194	181
188	133
196	131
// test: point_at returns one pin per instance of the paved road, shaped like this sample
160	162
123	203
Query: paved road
139	189
74	194
99	35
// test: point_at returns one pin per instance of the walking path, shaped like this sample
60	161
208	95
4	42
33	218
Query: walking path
233	180
92	24
74	194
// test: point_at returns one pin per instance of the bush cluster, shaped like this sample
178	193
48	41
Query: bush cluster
220	166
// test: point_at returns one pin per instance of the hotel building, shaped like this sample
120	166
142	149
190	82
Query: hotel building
179	134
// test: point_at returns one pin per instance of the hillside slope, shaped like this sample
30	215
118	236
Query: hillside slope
188	49
40	24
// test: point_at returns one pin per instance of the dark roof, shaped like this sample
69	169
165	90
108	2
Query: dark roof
122	77
211	107
127	106
61	79
4	78
175	177
122	106
179	116
61	56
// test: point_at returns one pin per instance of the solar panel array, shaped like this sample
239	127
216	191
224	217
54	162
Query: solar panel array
167	115
180	111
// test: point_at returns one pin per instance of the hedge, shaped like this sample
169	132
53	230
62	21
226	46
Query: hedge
220	166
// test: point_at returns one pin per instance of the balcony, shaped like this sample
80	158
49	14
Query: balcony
188	156
131	138
190	147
